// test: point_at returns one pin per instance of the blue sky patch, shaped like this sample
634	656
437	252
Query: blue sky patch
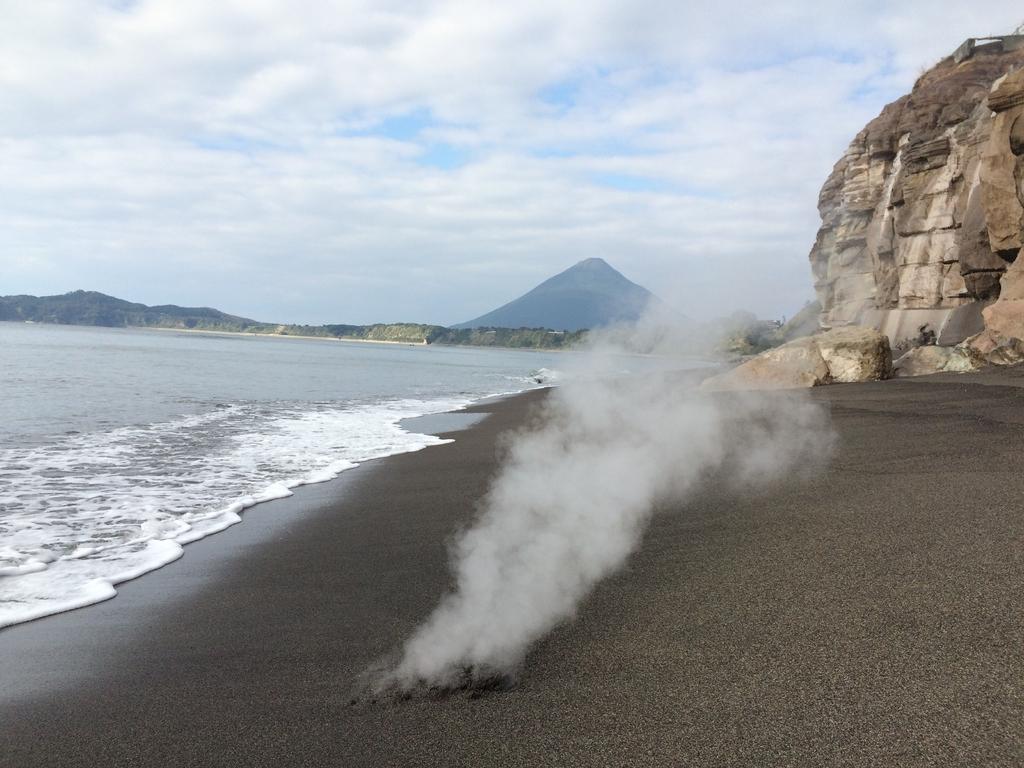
628	182
404	127
229	143
443	156
563	94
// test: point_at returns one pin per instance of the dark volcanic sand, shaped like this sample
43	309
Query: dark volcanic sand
871	616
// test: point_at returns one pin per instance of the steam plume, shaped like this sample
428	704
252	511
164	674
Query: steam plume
571	502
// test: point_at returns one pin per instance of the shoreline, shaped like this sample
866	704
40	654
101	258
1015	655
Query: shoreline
232	513
345	339
27	648
249	334
870	615
270	335
229	334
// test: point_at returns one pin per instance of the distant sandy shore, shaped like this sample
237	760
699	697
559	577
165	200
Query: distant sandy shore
277	335
354	341
870	616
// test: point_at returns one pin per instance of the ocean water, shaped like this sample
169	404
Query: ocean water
119	446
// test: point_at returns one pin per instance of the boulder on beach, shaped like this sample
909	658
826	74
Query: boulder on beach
847	354
922	361
995	348
855	354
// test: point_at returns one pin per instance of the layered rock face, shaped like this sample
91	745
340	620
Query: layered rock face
922	217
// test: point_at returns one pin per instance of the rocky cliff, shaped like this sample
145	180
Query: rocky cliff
922	217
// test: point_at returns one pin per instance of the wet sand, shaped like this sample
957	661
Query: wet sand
873	615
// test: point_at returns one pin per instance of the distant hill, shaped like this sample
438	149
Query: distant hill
589	294
93	308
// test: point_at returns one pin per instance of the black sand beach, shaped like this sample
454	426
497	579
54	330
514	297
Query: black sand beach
873	615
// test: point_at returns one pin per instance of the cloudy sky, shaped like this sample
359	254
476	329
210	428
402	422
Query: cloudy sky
350	161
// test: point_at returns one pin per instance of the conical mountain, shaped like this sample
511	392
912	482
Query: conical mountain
589	294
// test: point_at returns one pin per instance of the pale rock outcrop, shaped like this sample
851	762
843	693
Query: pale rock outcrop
855	354
794	365
995	348
1007	352
840	355
922	361
924	214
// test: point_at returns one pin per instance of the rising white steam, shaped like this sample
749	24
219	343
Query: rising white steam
571	502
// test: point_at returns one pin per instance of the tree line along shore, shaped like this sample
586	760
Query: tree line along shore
97	309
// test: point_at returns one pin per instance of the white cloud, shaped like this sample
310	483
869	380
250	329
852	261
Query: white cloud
362	161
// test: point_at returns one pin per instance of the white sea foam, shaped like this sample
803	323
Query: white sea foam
87	512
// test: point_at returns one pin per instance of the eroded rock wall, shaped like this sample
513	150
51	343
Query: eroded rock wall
922	215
